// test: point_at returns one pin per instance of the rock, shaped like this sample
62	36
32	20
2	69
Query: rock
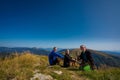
39	76
58	72
14	79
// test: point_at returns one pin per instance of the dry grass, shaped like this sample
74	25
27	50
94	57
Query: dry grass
22	67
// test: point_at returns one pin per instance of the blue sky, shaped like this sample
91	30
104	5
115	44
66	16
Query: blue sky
61	23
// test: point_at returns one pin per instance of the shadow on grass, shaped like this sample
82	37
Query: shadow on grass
73	69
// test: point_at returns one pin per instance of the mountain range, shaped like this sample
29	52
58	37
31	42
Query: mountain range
101	58
6	50
116	53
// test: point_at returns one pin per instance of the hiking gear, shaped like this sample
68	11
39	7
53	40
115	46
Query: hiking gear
86	59
87	68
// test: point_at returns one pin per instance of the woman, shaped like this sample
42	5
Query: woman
67	59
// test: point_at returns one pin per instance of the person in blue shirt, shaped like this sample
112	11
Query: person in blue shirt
53	57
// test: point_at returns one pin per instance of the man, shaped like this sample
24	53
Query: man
67	59
53	57
86	57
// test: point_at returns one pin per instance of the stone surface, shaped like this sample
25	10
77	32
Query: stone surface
39	76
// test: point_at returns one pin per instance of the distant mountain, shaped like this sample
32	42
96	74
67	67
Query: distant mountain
6	50
40	51
117	53
103	58
100	58
50	49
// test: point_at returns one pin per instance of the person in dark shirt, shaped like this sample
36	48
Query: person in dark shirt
86	57
67	59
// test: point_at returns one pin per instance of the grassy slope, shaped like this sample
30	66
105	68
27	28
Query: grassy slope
22	68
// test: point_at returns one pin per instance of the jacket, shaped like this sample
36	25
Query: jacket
53	56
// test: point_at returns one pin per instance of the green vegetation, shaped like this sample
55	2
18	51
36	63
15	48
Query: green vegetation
108	74
23	67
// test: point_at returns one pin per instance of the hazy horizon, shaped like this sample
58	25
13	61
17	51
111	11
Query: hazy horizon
89	46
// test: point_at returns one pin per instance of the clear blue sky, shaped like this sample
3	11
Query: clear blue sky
61	23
